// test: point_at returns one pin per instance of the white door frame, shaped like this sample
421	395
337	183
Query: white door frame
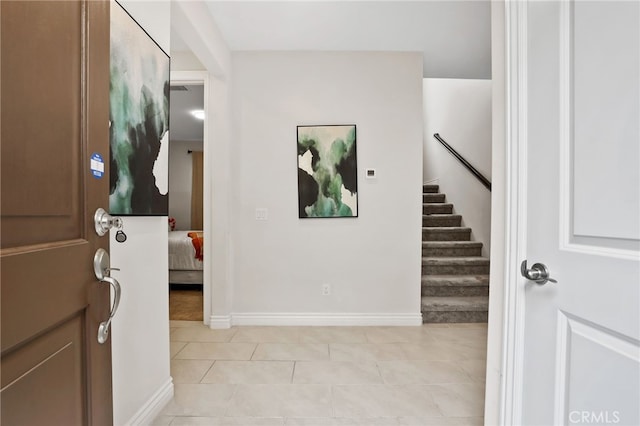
506	311
516	211
191	78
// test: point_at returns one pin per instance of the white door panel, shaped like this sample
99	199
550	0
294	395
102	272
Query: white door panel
601	68
581	127
601	395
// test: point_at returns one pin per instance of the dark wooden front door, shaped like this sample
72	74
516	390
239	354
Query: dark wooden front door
55	114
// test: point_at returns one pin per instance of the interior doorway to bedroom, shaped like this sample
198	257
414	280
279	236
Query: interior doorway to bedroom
186	231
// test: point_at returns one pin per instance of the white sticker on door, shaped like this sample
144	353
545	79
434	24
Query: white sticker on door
97	166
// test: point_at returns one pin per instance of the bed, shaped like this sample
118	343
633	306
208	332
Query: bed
185	257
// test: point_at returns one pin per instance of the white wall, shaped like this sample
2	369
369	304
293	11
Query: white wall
372	262
185	61
460	111
140	336
180	168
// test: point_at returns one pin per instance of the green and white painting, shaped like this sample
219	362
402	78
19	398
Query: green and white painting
139	120
327	171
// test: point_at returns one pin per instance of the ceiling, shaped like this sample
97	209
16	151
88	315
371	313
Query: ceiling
454	37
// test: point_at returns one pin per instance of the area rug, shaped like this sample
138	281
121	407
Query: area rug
185	303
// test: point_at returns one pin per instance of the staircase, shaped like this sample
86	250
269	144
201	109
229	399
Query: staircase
455	278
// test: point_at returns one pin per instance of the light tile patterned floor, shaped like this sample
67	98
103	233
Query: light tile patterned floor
327	376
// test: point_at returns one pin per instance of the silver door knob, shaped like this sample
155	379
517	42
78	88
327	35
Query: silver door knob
538	273
104	221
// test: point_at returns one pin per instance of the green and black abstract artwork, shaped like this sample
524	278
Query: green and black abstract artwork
139	120
327	171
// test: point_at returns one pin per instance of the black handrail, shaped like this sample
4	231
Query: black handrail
464	162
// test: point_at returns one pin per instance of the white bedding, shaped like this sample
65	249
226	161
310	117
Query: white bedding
182	255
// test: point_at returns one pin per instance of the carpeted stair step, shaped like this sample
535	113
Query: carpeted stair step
455	266
430	188
455	291
433	198
474	303
441	220
455	281
451	248
462	285
437	208
454	309
446	233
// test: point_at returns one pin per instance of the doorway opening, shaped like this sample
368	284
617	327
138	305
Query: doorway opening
186	204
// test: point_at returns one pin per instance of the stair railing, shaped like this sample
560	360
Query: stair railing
464	162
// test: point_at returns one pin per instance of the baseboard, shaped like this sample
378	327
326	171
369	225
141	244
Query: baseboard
220	321
154	405
326	319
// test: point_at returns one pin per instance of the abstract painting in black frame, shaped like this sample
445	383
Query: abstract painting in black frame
327	171
139	120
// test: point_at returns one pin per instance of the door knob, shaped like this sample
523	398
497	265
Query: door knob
538	273
104	221
102	270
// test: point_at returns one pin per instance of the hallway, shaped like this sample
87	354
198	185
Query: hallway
428	375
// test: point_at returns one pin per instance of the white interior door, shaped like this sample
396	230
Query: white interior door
580	141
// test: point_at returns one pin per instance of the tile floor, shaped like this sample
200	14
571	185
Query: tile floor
321	376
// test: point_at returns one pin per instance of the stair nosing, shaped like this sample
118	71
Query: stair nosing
445	259
447	244
455	284
451	277
447	228
440	258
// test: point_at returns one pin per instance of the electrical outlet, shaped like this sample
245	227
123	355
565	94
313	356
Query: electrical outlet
326	289
262	213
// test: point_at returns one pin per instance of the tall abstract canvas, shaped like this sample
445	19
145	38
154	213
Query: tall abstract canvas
327	171
139	120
